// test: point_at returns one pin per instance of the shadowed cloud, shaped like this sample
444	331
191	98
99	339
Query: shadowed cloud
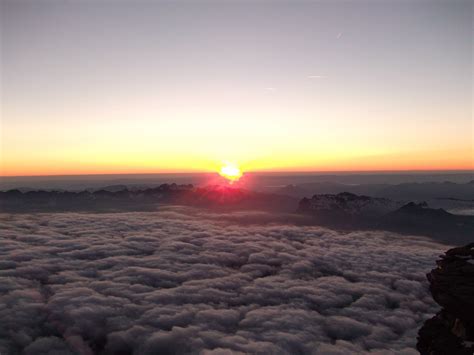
182	280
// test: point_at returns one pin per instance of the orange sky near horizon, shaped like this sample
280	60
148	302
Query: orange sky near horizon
427	161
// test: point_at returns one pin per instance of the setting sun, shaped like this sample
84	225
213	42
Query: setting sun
231	172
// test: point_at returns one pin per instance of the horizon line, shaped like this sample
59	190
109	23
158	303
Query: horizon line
292	172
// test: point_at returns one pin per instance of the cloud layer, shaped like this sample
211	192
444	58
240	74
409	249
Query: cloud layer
184	281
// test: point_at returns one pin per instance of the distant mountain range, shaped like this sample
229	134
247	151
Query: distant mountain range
265	181
347	204
350	211
401	192
119	198
346	211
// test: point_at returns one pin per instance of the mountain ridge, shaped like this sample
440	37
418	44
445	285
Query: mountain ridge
345	211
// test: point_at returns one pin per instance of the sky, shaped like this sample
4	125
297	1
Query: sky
176	86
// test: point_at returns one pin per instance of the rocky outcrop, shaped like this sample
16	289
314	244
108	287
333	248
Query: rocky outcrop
348	203
451	331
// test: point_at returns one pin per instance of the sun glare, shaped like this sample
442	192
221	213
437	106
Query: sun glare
231	172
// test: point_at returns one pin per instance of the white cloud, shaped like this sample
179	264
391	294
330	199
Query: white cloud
183	280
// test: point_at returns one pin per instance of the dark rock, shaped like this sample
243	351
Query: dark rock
451	331
452	283
436	337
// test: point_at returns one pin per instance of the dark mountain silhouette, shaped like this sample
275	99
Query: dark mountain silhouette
437	223
115	199
327	187
400	192
428	190
349	211
112	188
350	204
342	211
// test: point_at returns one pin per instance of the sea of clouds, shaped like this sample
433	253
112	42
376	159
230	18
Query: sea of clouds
188	281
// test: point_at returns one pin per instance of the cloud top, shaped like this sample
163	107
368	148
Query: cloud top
186	281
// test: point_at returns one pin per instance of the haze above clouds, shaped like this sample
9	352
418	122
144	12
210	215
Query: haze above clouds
183	280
